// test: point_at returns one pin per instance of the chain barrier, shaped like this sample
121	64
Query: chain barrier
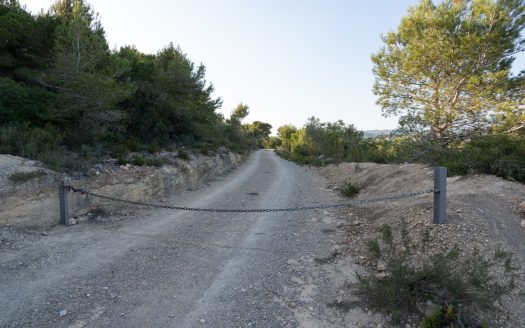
252	210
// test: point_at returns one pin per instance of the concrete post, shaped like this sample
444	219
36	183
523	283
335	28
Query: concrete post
62	195
440	195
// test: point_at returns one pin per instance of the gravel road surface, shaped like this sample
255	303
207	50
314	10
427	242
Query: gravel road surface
175	269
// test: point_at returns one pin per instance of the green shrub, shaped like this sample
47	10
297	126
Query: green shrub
272	143
122	160
153	149
24	140
89	153
42	145
299	158
204	150
374	248
214	146
425	237
182	154
119	151
443	279
387	234
443	317
21	177
433	320
61	160
501	155
157	162
138	160
134	145
349	190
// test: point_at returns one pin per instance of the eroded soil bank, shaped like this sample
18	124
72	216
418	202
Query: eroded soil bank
29	191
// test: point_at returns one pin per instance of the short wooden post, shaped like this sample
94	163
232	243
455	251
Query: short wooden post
440	195
62	195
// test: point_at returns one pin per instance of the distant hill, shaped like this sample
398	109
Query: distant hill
375	133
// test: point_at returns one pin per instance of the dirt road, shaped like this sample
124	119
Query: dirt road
176	269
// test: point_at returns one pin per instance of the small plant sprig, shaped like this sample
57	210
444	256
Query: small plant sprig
349	190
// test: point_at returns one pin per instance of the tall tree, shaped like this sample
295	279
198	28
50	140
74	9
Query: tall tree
336	139
447	67
173	100
25	51
258	132
25	40
285	133
239	113
83	71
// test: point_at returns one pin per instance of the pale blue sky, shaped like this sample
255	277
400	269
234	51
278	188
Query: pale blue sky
287	59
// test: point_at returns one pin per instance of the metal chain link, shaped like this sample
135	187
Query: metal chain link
252	210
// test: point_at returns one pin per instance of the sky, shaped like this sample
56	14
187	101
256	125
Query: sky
286	59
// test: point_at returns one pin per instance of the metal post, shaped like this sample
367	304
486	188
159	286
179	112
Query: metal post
440	195
62	195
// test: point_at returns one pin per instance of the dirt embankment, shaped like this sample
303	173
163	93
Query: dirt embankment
29	191
485	213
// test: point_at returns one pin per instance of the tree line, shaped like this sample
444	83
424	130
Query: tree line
446	72
65	94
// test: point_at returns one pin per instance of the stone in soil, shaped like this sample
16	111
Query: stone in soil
522	206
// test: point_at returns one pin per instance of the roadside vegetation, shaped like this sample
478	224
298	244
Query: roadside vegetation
320	143
67	99
446	72
445	288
